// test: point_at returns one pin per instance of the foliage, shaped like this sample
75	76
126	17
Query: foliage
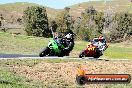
89	24
54	25
115	26
92	23
64	21
123	28
36	21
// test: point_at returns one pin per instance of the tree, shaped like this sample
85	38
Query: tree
36	21
64	21
54	25
124	26
88	25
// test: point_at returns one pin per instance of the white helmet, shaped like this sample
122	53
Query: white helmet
68	36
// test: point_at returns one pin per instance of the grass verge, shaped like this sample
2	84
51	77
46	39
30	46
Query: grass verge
56	73
9	79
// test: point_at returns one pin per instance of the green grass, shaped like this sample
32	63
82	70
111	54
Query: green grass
119	52
21	44
8	79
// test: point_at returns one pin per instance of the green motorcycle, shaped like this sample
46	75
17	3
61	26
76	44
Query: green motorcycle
54	48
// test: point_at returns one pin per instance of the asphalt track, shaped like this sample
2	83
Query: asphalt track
20	56
16	55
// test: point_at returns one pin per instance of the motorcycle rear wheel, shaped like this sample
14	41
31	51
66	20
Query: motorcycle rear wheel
44	52
98	54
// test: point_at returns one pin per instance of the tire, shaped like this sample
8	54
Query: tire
67	52
81	80
64	53
44	52
60	55
98	54
81	54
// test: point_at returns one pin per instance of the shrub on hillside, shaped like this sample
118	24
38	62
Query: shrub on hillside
36	21
89	24
124	25
115	26
64	22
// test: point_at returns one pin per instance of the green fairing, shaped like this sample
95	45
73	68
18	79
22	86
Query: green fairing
57	47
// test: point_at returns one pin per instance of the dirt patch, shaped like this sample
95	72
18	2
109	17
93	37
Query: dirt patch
58	75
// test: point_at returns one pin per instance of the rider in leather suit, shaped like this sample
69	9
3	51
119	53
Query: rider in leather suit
100	43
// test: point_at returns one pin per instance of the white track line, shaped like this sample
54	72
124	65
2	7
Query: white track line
67	57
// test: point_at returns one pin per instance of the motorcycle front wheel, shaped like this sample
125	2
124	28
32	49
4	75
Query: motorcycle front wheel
82	54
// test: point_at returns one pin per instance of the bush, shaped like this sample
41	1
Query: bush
88	25
64	22
36	21
116	27
122	27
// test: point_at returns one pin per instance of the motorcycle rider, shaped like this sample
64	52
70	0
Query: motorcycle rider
68	41
100	43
